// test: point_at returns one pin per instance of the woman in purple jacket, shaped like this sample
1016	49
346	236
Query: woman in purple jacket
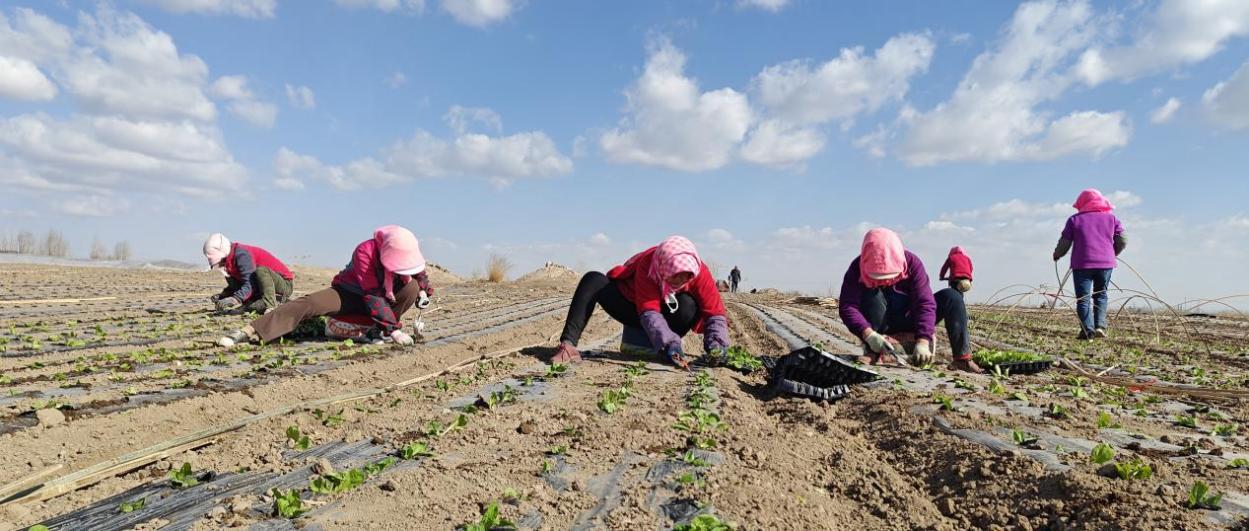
1095	238
886	293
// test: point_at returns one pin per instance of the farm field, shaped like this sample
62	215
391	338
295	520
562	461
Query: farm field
115	363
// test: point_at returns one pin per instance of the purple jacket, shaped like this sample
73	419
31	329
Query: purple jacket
923	310
1092	237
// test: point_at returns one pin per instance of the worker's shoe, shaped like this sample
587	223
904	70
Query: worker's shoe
1100	333
234	338
1084	335
566	353
966	365
635	342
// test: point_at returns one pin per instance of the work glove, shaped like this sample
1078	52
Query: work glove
923	354
877	343
717	357
401	338
225	303
215	298
423	301
676	356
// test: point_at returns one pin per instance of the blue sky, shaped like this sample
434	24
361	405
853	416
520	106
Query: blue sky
771	132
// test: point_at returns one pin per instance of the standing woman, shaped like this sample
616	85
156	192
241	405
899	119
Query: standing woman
886	292
1095	238
385	277
659	295
255	279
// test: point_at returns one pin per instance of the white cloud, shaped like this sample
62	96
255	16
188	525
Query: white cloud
461	119
600	239
993	113
33	36
766	5
1227	103
671	123
21	80
775	143
243	102
499	159
93	206
1177	33
242	8
721	239
388	6
231	88
288	183
1165	112
301	97
397	80
479	13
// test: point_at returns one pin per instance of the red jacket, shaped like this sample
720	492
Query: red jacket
363	274
260	257
958	265
635	282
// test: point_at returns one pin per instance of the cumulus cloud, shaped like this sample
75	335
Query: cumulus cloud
600	239
993	115
22	80
242	8
388	6
671	123
288	183
93	206
721	239
479	13
397	80
242	102
500	159
766	5
462	119
1227	103
1165	112
300	97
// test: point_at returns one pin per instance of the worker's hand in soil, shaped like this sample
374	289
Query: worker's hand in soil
402	338
677	357
876	342
923	353
423	301
225	303
716	357
216	297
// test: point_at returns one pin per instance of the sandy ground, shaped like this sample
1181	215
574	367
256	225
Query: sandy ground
135	367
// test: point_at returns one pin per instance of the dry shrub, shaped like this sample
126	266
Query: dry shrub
497	268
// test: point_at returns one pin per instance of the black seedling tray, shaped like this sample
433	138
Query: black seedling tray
1022	367
813	373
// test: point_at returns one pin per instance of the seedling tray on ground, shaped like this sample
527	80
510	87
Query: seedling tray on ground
1022	367
813	373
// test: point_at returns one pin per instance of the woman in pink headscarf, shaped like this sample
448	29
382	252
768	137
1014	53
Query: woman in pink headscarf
887	301
386	277
659	295
1095	238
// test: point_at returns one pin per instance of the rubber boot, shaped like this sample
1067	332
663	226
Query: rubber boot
635	342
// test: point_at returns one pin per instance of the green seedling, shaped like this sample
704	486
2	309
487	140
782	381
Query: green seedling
704	380
947	403
131	506
1238	462
1079	392
962	384
1102	454
1019	395
498	398
375	468
1057	411
435	429
442	385
987	357
183	477
1186	421
337	482
1226	430
547	466
328	420
737	357
996	387
702	443
1134	469
415	449
513	496
527	382
699	421
1022	438
704	522
612	399
556	370
559	449
689	480
300	441
287	504
1104	420
490	520
1200	497
690	459
637	370
38	527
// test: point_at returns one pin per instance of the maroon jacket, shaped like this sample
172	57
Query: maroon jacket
957	265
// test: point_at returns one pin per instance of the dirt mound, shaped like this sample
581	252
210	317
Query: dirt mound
441	276
550	271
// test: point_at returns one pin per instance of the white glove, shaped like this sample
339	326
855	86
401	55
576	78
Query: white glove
923	354
423	301
401	338
876	342
419	326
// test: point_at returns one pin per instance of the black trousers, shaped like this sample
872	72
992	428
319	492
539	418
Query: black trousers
887	311
596	288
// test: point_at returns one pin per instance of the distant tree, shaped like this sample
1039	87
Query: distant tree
121	251
26	242
7	243
99	251
54	244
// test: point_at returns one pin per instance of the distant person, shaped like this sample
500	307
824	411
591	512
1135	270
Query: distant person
659	295
1095	238
957	270
385	278
256	281
735	276
885	292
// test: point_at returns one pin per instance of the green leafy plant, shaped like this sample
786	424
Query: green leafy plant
38	527
1225	430
547	466
131	506
612	399
637	370
556	370
1022	438
1104	420
946	402
415	449
699	421
1102	453
559	449
1134	469
737	357
337	482
376	467
690	459
498	398
1200	497
996	387
1019	395
435	429
987	357
490	520
1186	421
287	504
688	480
1057	411
328	419
705	522
183	477
299	440
511	495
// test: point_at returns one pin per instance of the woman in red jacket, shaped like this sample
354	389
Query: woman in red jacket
255	279
385	278
659	295
957	270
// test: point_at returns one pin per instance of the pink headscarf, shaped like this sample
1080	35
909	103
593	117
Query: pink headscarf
957	249
882	260
400	254
1092	200
674	255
